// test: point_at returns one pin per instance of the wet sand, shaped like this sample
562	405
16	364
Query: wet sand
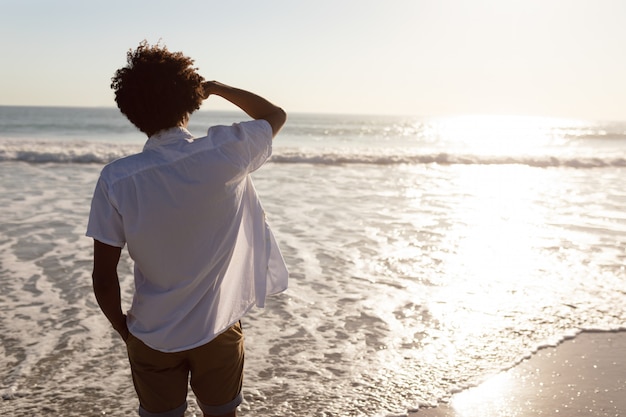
584	376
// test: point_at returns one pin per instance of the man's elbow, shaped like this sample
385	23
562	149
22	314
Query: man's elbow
277	120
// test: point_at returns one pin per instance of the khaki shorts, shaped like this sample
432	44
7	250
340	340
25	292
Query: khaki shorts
161	379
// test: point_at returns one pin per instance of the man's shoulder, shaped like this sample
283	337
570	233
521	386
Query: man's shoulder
243	129
125	167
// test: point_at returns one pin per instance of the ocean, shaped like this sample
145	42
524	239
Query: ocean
425	255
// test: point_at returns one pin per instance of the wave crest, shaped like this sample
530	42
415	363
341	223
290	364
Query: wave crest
447	159
61	152
102	153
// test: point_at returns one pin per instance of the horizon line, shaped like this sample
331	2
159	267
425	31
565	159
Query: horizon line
352	114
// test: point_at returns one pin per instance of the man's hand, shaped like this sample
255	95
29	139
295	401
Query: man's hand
209	88
122	329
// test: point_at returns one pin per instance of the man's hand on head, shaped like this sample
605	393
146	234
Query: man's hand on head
209	88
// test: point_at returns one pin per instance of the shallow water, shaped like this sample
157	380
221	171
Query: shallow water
409	280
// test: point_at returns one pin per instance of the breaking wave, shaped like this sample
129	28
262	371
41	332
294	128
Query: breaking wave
448	159
102	153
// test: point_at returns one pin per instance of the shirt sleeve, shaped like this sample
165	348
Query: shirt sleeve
247	144
105	222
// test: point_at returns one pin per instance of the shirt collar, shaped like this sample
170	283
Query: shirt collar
166	136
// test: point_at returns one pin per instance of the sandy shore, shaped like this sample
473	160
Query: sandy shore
584	376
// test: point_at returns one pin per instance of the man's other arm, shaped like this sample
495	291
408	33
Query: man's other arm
106	285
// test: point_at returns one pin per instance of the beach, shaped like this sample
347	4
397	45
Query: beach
583	376
426	257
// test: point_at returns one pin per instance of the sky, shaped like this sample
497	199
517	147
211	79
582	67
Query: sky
553	58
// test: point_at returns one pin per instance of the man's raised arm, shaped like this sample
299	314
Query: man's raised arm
255	106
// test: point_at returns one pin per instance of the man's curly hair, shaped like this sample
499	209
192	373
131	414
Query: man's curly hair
158	89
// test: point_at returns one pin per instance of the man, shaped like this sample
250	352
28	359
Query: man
189	215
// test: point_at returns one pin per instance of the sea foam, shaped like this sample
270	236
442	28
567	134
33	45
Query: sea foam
102	153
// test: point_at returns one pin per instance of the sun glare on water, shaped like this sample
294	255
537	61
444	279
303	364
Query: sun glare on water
496	135
493	249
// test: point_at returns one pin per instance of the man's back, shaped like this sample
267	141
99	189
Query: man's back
182	206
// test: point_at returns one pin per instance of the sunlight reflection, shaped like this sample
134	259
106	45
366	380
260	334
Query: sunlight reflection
497	134
492	247
472	402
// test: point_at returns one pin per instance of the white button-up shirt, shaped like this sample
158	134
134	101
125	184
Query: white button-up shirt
194	226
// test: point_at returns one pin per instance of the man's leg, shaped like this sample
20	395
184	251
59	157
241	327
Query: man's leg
217	373
160	379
